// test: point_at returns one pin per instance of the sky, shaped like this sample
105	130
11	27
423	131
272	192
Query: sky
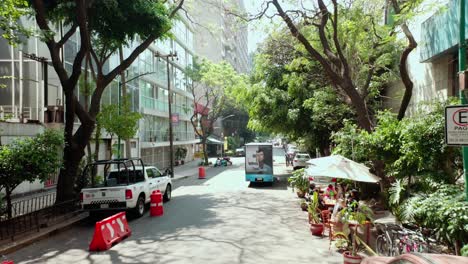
257	29
256	32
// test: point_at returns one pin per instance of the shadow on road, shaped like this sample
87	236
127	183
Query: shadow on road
224	227
280	183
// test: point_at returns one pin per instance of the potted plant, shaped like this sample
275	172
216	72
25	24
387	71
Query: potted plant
180	154
352	217
316	227
299	182
304	205
183	155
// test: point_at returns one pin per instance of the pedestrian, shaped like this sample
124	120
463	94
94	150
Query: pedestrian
287	159
330	192
353	199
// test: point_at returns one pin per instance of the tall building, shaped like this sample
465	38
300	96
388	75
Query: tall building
32	94
154	128
221	35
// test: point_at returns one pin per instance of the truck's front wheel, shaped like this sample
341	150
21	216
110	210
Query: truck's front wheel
168	193
140	207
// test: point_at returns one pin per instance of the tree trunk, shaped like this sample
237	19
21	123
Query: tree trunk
110	147
8	199
74	150
66	180
68	174
205	154
97	147
379	167
405	78
90	153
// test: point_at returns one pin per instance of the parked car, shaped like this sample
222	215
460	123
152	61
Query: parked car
126	186
300	160
240	152
417	259
320	180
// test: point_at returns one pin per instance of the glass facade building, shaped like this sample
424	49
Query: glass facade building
31	87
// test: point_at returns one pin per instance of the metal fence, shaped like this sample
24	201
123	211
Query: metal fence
30	215
32	204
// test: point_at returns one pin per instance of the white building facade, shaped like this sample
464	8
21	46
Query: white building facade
32	98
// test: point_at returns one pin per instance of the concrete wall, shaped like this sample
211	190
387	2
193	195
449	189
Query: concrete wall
11	131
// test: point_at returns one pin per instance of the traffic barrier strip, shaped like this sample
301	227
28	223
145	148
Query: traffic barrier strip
109	232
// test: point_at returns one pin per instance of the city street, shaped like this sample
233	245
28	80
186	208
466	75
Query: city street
218	220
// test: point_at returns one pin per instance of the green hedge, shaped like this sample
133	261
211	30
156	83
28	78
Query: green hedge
446	211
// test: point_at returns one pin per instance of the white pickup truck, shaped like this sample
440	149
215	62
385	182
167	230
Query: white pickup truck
125	187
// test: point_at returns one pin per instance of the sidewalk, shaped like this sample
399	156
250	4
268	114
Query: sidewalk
187	170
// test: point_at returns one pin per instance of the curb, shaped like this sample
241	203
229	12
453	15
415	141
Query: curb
180	178
193	174
30	239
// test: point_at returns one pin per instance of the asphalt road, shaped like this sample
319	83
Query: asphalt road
218	220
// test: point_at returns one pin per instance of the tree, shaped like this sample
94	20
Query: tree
103	27
237	123
411	148
27	160
10	13
122	123
403	10
211	86
353	49
290	95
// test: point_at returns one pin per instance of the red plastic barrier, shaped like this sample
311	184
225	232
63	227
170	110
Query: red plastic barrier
156	204
8	262
201	173
110	231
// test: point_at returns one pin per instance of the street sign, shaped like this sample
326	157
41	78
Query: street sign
175	118
456	125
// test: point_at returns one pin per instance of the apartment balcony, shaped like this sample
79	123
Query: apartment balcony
153	139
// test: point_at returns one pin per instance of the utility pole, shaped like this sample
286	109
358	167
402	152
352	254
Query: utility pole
462	81
171	141
119	105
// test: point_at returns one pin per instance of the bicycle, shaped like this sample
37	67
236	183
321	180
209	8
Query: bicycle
411	241
386	241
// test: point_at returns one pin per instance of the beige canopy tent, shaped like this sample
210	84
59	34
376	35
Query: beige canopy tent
337	166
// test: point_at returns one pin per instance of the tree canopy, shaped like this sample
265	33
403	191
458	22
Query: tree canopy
121	122
212	86
290	95
29	159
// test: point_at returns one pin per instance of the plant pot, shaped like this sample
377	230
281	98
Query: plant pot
182	162
300	194
348	258
316	229
304	207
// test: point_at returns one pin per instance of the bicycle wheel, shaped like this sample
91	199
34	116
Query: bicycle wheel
397	249
382	246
